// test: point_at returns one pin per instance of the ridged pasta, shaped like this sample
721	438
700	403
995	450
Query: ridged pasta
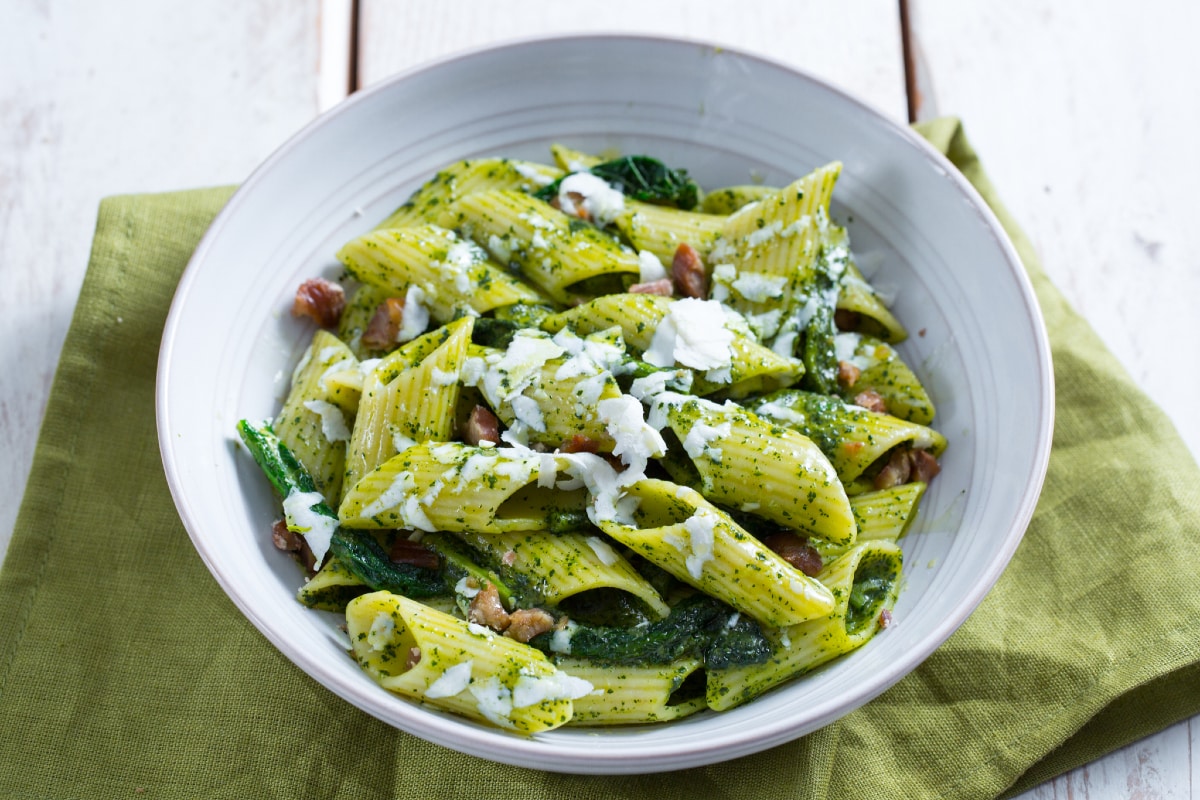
868	575
423	653
677	529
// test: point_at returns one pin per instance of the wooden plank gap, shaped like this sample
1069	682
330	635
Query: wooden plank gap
354	83
911	90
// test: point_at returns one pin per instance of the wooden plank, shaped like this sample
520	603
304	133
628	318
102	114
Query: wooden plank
855	46
1083	116
1085	123
162	95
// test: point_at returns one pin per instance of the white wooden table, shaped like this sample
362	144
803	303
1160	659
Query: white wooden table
1083	112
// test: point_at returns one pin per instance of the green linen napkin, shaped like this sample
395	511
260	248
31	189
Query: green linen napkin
125	671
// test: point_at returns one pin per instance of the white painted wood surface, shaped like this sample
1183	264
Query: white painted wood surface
1081	114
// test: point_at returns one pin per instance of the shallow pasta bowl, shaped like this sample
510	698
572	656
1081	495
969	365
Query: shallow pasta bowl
978	345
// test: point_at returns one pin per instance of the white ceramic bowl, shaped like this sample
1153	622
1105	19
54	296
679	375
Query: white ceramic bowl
726	116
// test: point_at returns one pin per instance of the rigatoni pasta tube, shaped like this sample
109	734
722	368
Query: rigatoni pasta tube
677	529
865	581
748	463
633	694
417	651
315	419
451	486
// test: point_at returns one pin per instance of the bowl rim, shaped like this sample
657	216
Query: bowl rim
498	745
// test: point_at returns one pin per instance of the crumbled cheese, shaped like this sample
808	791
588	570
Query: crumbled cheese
692	333
517	368
650	267
603	550
635	441
442	377
529	413
530	690
464	587
699	439
494	700
316	528
845	346
500	248
415	318
400	495
451	682
775	410
654	384
701	536
333	421
602	202
560	640
764	234
402	442
460	257
758	287
380	634
530	172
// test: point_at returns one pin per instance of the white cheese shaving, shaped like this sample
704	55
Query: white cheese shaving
758	287
529	413
699	439
701	539
380	634
650	269
316	528
415	318
442	377
603	550
464	587
451	682
530	690
494	701
333	421
531	172
635	441
601	202
692	333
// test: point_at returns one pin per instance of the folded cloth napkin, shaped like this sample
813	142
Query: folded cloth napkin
124	670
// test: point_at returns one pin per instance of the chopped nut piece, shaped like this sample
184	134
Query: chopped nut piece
526	623
385	325
661	287
847	374
871	400
687	272
320	300
481	426
486	609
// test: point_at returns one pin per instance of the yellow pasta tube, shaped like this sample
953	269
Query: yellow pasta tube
456	487
865	581
766	258
562	566
425	654
677	529
852	437
746	462
452	274
465	177
661	229
568	262
627	695
409	396
316	417
743	367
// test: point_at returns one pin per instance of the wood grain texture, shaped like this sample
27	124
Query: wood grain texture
856	46
1084	119
160	96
